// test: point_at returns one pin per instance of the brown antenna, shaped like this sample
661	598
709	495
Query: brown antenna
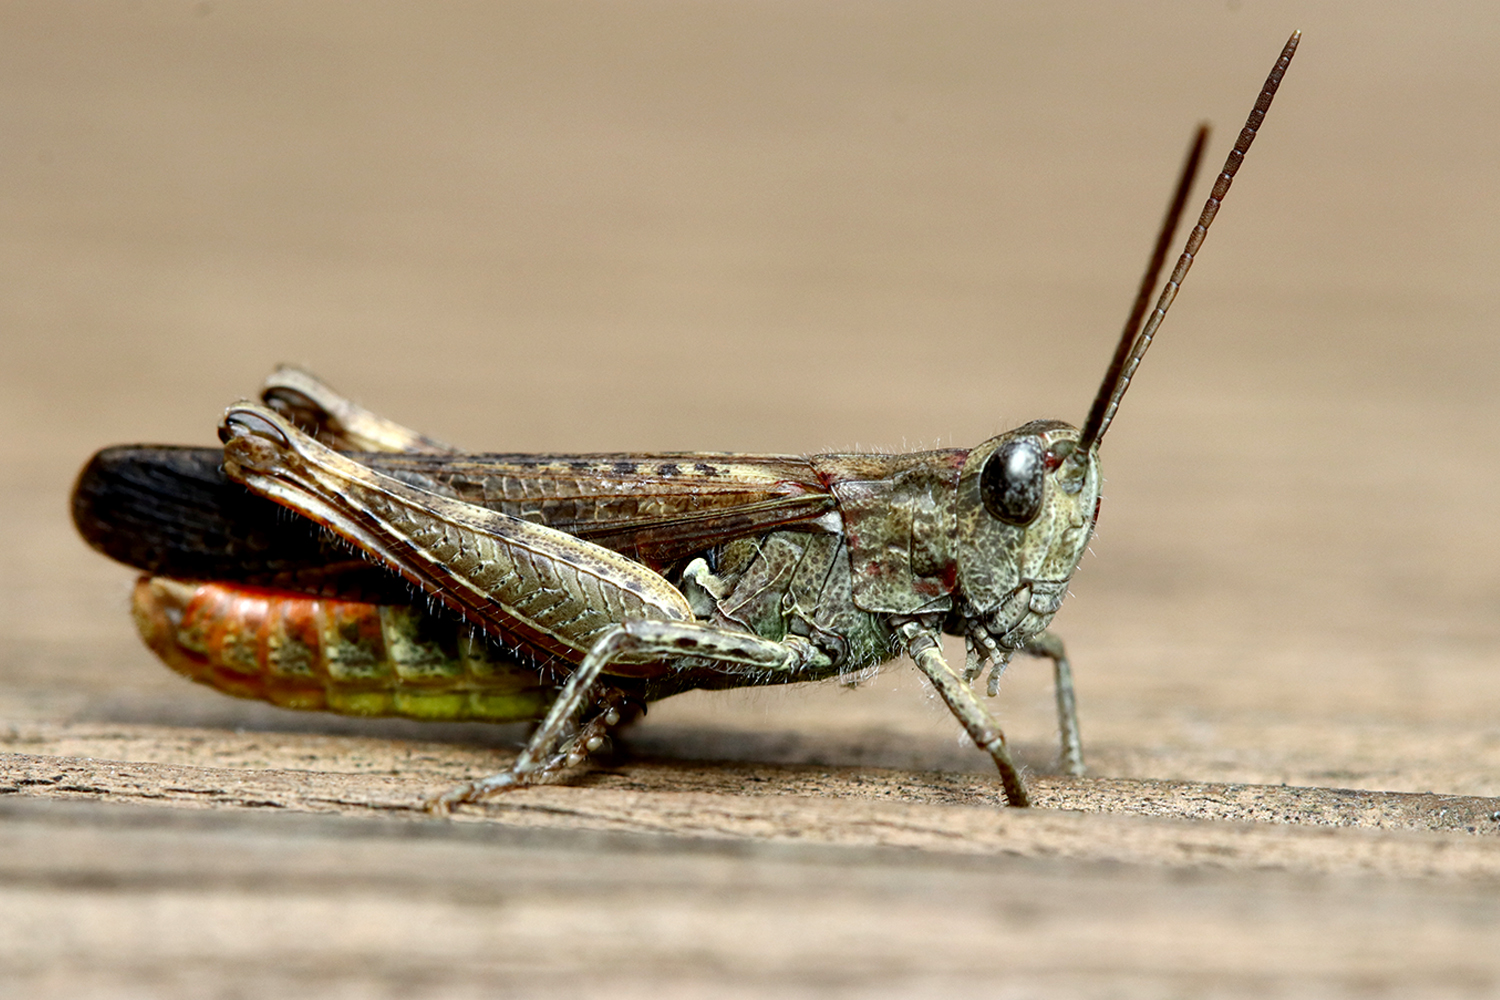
1133	346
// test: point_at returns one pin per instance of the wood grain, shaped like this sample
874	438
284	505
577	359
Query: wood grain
782	229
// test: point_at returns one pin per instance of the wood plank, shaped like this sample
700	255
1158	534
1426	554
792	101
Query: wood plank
782	229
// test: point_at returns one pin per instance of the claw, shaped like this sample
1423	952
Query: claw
591	737
983	649
973	661
442	805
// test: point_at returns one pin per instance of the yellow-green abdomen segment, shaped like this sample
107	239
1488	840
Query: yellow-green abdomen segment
336	656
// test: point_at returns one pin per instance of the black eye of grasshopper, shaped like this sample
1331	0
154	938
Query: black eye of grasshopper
1011	481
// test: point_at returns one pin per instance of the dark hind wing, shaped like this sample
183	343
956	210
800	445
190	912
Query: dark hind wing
171	512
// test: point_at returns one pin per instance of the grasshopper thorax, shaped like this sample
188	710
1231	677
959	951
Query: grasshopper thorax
1026	506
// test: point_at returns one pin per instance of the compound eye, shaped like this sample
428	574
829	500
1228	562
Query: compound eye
1011	482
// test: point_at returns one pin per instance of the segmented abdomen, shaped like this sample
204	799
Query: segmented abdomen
336	656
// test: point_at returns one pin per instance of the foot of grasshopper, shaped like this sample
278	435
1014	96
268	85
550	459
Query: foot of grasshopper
541	758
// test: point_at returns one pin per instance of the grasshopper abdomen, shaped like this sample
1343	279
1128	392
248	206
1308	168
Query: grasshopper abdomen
347	657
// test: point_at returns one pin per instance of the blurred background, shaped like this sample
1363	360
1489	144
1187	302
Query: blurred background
802	227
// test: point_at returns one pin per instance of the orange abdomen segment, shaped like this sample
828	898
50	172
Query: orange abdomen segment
337	656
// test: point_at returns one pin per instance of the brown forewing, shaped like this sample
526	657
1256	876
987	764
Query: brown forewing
656	508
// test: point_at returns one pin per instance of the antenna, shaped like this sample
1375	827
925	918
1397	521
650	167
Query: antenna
1093	427
1127	359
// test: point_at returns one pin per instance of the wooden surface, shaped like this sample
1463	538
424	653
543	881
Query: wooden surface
779	228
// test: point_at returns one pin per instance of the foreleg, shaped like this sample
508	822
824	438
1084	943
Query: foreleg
922	646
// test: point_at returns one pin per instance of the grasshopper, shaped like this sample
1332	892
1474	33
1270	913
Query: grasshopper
571	590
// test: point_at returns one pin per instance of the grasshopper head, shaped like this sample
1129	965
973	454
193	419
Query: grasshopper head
1027	500
1026	507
